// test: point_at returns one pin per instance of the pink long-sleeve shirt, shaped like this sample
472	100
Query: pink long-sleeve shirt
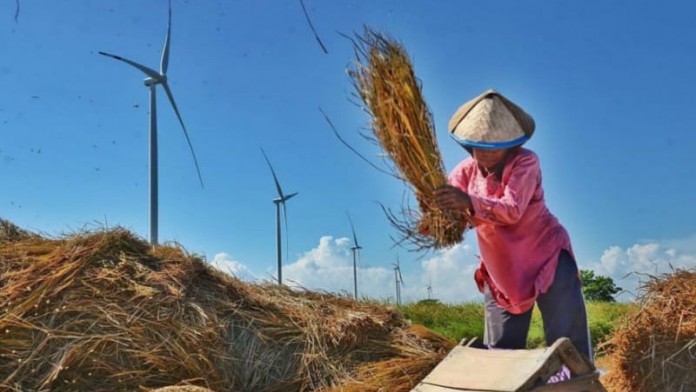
519	238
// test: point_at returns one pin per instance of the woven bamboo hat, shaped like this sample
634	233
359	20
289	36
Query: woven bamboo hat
490	121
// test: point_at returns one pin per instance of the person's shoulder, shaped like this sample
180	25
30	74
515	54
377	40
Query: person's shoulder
525	152
463	169
526	155
525	160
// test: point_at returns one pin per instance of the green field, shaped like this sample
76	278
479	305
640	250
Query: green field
466	320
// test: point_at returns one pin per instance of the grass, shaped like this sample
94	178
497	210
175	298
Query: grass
466	320
452	321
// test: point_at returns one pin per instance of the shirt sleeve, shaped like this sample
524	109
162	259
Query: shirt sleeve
518	192
458	177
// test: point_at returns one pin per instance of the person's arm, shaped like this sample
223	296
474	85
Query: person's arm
518	192
453	196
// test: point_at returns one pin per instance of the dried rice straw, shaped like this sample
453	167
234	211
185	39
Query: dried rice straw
104	311
655	348
402	125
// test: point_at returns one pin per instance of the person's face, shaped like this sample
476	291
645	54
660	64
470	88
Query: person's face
489	159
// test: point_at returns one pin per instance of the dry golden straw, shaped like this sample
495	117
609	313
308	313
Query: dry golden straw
402	125
655	348
104	311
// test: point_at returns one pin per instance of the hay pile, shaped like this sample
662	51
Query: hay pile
655	349
9	232
402	125
103	311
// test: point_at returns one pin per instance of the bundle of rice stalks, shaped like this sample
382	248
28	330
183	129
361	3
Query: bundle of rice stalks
655	349
402	125
104	311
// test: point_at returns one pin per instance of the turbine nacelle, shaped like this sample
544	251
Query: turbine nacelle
284	198
151	81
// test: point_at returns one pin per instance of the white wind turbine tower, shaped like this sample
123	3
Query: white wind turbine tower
279	201
153	79
398	280
430	288
356	254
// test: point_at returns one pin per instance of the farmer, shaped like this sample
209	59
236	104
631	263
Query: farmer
526	255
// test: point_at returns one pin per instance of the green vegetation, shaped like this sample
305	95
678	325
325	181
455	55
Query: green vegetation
598	287
452	321
466	320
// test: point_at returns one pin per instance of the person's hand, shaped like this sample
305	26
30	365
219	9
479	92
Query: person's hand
448	197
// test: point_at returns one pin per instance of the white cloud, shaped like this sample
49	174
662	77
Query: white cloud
224	262
329	267
630	266
451	275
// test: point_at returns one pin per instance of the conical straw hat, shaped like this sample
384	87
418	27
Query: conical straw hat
491	121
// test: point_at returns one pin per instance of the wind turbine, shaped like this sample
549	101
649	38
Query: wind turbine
280	200
430	288
356	249
398	280
153	79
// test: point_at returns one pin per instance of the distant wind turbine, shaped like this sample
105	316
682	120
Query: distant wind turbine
279	201
153	79
356	254
430	289
398	280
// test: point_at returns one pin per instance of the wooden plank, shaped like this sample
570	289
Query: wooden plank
550	367
468	369
436	388
491	370
576	362
587	383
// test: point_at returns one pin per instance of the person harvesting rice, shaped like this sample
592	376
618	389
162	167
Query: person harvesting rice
526	254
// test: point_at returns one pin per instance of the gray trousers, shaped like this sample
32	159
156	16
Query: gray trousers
562	311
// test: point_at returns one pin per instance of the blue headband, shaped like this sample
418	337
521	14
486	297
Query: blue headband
489	145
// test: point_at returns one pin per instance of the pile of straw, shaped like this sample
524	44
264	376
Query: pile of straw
9	232
104	311
655	349
402	125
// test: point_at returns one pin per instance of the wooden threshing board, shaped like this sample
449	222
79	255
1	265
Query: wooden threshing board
480	370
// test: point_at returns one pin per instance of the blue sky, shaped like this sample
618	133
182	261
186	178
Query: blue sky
610	85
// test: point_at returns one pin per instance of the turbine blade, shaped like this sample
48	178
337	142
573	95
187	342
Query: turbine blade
355	238
275	178
285	218
164	63
288	197
148	71
188	140
398	269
